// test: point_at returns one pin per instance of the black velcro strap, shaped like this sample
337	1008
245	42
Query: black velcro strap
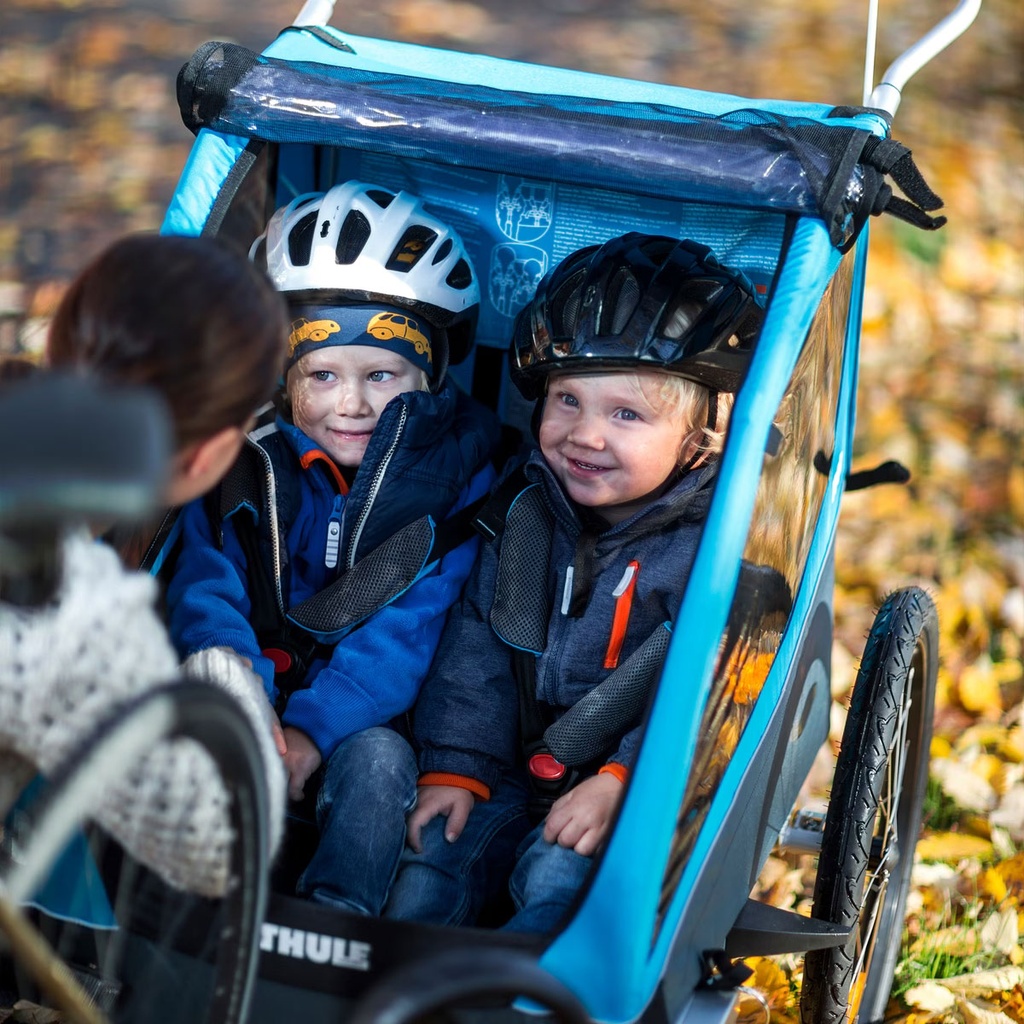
490	521
264	614
722	973
892	158
890	472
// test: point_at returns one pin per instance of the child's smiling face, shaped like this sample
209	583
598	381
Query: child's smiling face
606	441
338	392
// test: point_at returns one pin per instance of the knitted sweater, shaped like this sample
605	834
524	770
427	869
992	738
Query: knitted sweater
98	645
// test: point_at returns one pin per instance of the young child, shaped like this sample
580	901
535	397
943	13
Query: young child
315	576
633	349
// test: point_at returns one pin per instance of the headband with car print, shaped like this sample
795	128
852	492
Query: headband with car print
386	327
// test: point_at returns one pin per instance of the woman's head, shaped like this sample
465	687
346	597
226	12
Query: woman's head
190	318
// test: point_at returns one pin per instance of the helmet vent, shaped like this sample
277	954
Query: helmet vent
621	300
461	276
442	250
693	299
300	241
380	197
565	305
412	247
354	233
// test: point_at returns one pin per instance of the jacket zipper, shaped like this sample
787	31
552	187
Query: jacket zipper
378	479
275	539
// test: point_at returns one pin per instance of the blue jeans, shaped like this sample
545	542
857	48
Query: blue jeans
369	786
450	883
545	883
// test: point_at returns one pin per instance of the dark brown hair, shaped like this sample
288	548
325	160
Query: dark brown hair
189	317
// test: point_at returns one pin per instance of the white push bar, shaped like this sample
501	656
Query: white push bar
315	12
887	94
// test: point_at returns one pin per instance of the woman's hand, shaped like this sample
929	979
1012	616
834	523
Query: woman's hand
453	802
301	758
579	820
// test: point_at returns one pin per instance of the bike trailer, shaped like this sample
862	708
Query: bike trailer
530	163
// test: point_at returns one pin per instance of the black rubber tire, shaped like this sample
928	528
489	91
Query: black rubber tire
874	815
143	982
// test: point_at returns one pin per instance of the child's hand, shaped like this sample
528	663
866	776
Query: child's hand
278	733
579	819
453	802
301	758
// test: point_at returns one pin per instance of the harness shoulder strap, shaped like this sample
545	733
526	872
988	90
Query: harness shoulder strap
386	572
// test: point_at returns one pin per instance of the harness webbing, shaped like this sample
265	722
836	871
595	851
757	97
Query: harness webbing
295	637
571	744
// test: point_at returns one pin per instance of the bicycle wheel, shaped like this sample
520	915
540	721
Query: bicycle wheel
874	814
161	955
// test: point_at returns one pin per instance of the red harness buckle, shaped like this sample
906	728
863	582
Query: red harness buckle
282	659
546	767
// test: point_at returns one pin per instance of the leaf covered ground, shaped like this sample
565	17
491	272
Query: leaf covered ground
91	145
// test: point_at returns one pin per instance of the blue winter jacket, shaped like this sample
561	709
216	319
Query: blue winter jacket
428	454
466	720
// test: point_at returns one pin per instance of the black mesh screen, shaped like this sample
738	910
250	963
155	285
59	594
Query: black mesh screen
300	241
370	584
353	236
620	302
593	723
523	570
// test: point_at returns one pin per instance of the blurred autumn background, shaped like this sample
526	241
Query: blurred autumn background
91	145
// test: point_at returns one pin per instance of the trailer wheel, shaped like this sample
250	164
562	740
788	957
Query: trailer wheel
874	815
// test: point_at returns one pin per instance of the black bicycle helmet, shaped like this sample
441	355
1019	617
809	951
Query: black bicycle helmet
638	300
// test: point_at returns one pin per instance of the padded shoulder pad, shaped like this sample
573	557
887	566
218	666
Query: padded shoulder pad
519	614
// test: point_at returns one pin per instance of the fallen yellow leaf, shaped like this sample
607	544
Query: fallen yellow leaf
999	934
930	996
1011	871
992	884
982	1013
991	769
978	690
953	846
954	941
985	734
1013	747
985	983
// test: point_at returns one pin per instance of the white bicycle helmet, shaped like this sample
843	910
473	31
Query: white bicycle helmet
367	243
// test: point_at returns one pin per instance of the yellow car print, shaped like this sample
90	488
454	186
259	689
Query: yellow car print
395	325
310	330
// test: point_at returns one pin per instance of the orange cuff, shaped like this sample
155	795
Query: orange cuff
620	771
478	789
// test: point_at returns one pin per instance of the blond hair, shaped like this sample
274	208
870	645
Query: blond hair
671	394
